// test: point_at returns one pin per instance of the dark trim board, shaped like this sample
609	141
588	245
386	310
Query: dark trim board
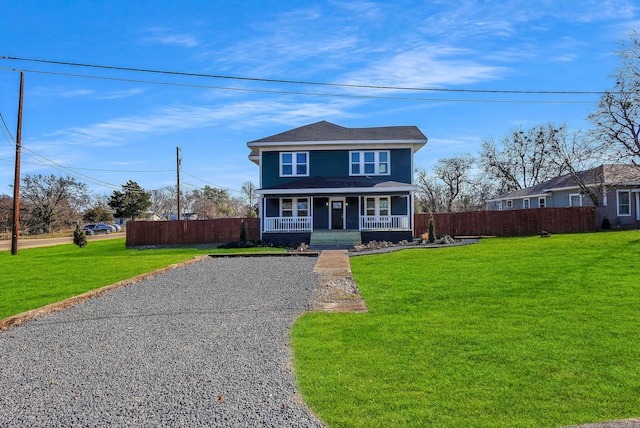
391	236
294	238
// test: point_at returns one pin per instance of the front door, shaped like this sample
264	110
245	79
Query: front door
337	214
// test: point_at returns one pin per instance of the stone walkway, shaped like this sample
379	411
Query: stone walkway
338	291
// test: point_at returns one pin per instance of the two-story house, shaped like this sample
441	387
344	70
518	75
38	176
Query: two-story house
325	177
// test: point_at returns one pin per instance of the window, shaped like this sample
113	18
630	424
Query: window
624	202
369	163
509	204
294	207
294	164
575	200
377	206
542	202
525	203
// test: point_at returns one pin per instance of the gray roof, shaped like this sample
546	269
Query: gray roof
326	131
341	183
610	175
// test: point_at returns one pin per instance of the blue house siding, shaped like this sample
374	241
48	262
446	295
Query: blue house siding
333	163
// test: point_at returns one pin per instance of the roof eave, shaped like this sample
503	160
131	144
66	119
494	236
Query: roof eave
313	191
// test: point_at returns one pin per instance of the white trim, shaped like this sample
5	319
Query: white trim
579	197
294	164
341	190
294	205
538	195
362	163
340	143
618	192
542	199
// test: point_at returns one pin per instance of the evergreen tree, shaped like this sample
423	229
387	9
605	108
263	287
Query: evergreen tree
79	237
131	202
432	229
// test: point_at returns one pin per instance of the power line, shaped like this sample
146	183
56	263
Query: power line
7	133
299	82
207	182
314	94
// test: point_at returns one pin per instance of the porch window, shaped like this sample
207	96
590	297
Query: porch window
294	164
624	202
294	207
378	206
369	163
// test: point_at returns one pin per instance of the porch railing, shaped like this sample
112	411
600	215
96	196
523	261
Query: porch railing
384	222
287	224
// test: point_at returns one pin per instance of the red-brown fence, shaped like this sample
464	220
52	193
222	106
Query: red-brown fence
510	223
188	232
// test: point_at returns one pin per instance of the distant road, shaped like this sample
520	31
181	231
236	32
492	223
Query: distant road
33	243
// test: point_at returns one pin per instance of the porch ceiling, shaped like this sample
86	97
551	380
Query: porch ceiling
317	185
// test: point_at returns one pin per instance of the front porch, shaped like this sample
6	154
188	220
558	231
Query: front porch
302	215
366	223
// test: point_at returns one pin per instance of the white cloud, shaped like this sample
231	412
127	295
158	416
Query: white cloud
428	67
167	120
165	36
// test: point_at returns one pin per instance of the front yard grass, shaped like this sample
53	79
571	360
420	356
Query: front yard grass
524	332
36	277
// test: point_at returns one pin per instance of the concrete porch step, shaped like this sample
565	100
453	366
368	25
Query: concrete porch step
335	238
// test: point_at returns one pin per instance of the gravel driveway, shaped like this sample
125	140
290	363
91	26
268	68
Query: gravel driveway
201	345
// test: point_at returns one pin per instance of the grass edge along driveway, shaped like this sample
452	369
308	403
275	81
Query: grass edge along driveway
524	332
36	277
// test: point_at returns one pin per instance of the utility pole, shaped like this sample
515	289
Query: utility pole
178	160
16	178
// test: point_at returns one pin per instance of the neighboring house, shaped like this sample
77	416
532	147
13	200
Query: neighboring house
616	187
325	177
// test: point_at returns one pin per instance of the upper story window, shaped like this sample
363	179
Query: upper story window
294	164
369	163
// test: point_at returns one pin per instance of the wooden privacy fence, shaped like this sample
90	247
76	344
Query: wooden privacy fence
188	232
510	223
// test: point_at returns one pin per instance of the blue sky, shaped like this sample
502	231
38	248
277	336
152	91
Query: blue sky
105	132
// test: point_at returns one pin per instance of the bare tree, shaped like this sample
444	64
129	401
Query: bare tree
164	201
53	202
455	174
431	196
579	157
524	159
250	198
617	117
6	213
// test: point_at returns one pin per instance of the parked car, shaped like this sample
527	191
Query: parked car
117	226
94	228
112	228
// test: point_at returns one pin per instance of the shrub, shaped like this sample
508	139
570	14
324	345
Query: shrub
243	232
432	229
79	237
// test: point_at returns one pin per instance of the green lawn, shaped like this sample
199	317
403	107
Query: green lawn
521	332
39	276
